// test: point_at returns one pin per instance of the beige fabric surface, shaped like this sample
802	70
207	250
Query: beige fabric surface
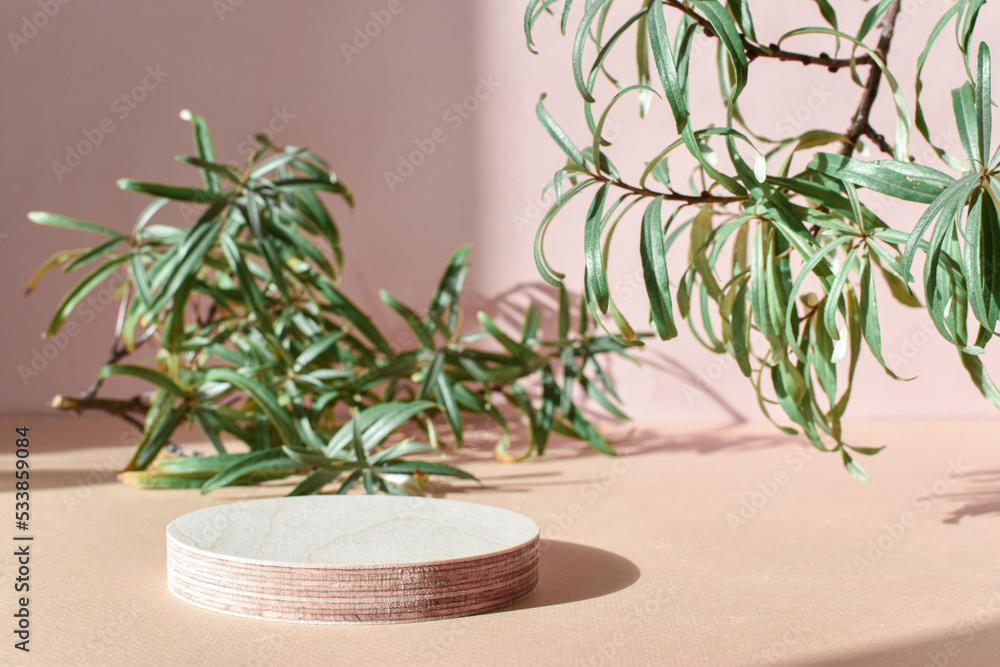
647	559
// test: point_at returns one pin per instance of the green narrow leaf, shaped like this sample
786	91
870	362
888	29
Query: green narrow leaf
741	12
963	102
100	250
431	375
564	19
377	422
666	65
175	192
595	276
412	320
729	38
588	432
828	13
558	134
520	351
426	468
903	180
80	291
564	314
546	408
316	349
314	482
870	327
834	295
701	237
264	398
873	15
654	271
599	396
157	433
54	220
955	195
984	104
919	119
58	259
146	374
529	328
981	378
445	298
973	257
740	326
570	372
267	459
642	62
451	410
204	148
209	426
579	42
857	472
275	162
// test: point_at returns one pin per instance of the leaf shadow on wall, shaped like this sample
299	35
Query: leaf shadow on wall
507	309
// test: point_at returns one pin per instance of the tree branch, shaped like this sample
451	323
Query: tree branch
833	64
754	51
860	122
123	409
878	140
703	198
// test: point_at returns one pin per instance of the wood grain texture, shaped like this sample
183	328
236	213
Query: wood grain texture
352	559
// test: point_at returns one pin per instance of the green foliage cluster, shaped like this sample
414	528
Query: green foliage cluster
783	264
255	342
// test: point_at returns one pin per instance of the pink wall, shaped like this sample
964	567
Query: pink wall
285	63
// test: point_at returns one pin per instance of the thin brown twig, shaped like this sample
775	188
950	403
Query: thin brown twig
124	409
704	198
860	122
754	51
833	64
878	140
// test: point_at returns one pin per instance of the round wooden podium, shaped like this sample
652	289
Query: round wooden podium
352	559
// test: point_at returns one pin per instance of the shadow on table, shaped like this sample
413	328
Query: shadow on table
570	572
980	490
972	643
637	440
